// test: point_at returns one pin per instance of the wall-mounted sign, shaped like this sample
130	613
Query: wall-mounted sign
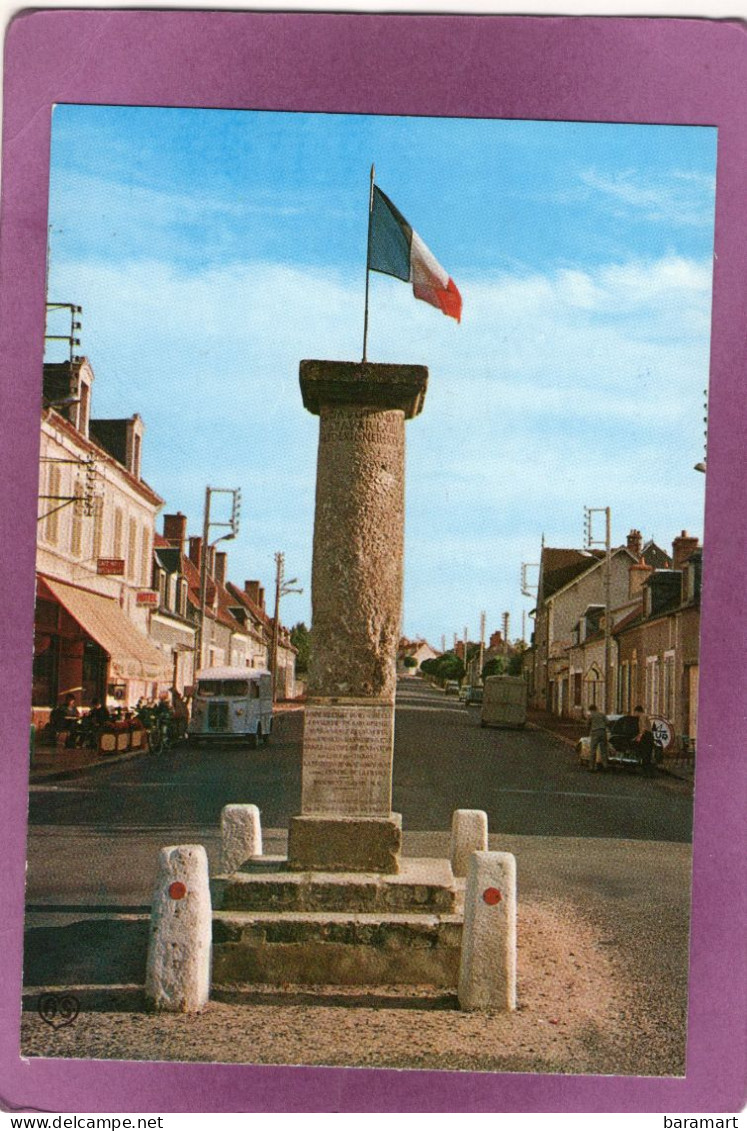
110	567
147	597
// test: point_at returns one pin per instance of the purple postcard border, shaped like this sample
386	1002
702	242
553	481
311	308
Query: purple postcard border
577	68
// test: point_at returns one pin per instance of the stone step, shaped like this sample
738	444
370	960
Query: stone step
423	886
328	948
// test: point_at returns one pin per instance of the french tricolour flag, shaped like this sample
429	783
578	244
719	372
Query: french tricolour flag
395	249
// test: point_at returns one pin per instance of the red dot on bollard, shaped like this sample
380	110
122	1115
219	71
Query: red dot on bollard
177	890
492	896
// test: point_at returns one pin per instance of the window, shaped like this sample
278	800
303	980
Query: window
76	527
132	550
624	703
652	685
51	525
98	527
146	571
668	695
118	525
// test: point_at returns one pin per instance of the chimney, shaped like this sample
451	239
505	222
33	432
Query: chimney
682	548
261	599
175	529
251	588
638	575
195	551
635	542
220	567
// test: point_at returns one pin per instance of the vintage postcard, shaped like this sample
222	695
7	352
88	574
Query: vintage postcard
372	512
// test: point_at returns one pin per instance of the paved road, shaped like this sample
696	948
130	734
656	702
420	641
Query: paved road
529	782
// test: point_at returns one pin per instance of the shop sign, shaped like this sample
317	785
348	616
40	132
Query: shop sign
110	567
147	597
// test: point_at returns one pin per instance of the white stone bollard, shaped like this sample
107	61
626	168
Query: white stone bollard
487	970
469	833
177	976
240	836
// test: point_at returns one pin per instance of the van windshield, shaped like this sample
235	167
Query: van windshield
229	687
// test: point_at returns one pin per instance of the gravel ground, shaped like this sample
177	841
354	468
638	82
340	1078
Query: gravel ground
578	1012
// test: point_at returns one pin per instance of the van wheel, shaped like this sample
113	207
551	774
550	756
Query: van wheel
255	740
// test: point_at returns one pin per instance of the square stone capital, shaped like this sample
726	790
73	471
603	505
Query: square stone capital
365	384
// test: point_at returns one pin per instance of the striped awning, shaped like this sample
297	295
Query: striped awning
132	656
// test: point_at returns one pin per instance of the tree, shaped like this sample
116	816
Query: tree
410	662
301	641
496	666
516	665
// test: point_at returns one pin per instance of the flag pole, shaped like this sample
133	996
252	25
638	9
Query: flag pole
368	249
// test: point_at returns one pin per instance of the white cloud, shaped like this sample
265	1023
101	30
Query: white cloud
683	198
581	387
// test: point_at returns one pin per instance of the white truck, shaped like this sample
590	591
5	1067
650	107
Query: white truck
504	701
231	703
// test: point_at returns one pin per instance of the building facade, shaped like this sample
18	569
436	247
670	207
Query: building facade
96	523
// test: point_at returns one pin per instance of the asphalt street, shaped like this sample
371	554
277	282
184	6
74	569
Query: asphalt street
528	782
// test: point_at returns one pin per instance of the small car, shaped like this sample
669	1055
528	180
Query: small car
451	687
474	695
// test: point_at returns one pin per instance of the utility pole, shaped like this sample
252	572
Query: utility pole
607	543
465	652
281	588
482	646
506	619
233	529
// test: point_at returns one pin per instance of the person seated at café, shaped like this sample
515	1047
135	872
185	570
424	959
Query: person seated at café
65	722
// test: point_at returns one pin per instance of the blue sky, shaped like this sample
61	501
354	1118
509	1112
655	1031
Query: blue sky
212	250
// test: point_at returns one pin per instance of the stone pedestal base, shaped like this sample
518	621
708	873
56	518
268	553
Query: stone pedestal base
345	844
276	926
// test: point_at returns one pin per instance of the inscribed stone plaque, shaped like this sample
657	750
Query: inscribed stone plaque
347	760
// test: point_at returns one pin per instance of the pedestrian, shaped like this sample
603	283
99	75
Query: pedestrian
644	741
597	737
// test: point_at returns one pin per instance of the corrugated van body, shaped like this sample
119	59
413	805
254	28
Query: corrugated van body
504	701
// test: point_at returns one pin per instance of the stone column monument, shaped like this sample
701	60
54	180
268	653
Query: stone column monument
346	822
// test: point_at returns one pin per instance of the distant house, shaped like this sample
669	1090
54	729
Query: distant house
569	613
658	645
418	650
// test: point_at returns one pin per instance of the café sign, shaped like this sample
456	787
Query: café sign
110	567
147	597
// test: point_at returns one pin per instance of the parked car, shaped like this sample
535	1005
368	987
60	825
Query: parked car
474	695
622	750
451	687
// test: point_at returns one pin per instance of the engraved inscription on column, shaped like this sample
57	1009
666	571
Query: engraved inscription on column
347	760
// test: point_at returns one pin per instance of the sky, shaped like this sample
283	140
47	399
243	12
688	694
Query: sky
212	250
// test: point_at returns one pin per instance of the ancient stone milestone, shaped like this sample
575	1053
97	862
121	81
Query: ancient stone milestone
346	822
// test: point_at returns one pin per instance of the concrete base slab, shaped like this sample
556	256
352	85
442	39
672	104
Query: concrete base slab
345	844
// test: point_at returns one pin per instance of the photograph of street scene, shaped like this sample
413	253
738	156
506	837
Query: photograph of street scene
371	493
